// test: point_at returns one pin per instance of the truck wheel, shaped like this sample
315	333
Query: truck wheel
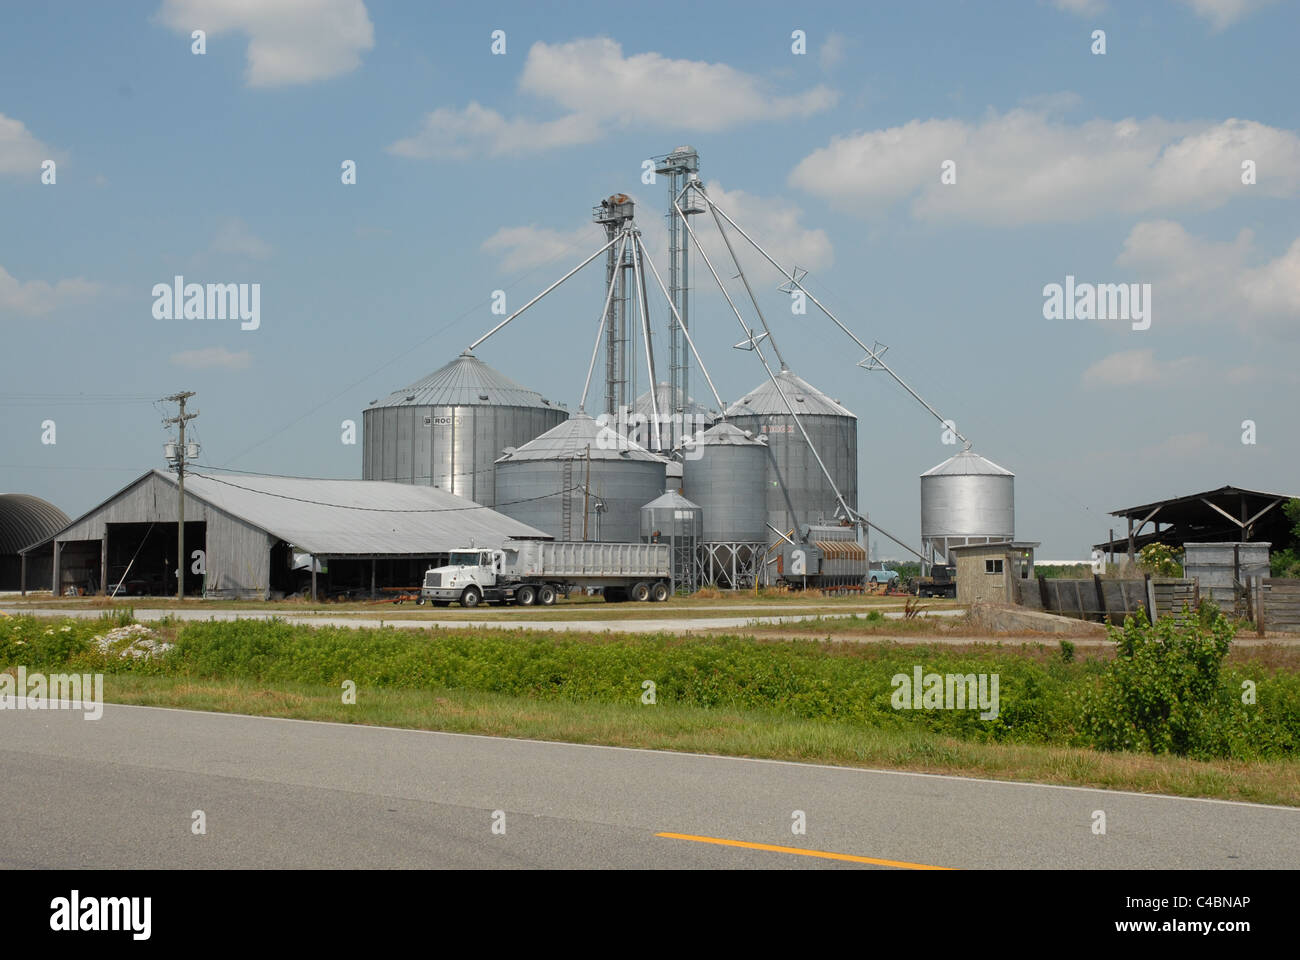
471	597
525	596
419	601
641	591
659	592
546	595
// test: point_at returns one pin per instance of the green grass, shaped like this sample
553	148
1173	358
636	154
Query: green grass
722	731
791	699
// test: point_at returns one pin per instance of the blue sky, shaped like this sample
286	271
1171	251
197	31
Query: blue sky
477	172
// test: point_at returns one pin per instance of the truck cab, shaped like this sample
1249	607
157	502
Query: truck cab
471	574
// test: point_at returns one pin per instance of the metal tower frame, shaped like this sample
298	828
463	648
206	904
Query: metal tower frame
681	168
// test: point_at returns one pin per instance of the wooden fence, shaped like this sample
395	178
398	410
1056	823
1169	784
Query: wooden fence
1108	598
1277	603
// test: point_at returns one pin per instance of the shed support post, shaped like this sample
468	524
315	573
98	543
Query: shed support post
1131	558
313	579
372	578
22	574
57	573
103	563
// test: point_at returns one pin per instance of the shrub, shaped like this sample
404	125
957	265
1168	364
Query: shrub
1162	692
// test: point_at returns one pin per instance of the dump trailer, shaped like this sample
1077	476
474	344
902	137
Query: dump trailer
528	572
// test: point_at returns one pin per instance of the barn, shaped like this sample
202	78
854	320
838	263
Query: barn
262	537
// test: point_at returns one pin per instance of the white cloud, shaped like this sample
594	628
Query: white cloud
833	50
1201	281
207	358
774	222
21	153
601	90
1224	13
1024	167
448	132
532	246
1080	7
234	238
1132	368
299	41
37	298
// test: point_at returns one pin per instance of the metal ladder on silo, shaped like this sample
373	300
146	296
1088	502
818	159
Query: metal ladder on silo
566	503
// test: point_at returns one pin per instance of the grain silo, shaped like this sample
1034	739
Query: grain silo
676	521
580	471
688	407
448	429
966	499
725	471
833	431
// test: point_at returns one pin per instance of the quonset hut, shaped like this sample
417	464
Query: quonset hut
448	429
24	520
580	480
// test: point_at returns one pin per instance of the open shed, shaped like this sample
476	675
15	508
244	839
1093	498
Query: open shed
250	536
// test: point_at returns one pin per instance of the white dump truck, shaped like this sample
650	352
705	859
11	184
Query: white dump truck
528	572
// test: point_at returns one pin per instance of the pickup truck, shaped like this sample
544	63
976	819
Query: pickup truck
528	572
882	576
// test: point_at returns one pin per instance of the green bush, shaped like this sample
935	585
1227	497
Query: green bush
1163	691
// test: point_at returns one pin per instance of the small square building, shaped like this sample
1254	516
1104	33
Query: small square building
987	572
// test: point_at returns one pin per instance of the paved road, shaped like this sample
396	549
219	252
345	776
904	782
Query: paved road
121	792
619	624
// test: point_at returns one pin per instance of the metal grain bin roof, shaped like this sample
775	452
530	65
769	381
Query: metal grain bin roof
571	440
664	398
466	381
967	463
764	400
727	434
356	517
25	519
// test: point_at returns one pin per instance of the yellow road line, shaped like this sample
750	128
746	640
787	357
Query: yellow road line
825	855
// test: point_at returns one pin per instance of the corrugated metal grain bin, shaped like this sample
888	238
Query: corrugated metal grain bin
448	429
834	432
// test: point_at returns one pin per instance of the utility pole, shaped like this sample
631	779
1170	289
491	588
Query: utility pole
179	460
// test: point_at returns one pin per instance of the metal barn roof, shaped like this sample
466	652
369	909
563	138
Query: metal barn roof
571	439
339	518
466	381
356	517
765	400
967	463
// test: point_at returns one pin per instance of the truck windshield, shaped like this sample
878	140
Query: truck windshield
464	560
